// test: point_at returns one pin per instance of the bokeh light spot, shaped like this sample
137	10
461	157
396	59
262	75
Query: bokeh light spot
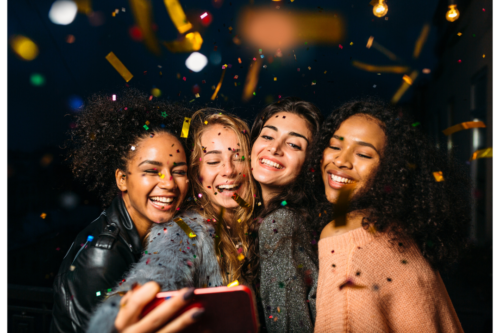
37	79
24	47
63	12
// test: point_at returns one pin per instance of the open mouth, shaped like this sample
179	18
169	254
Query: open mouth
271	164
162	203
228	188
340	180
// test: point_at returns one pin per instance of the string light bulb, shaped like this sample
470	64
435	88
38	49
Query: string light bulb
380	9
452	14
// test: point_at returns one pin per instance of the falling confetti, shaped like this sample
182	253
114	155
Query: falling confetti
463	126
119	66
482	153
185	127
180	222
219	84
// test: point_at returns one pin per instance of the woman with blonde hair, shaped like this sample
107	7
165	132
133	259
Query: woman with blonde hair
218	212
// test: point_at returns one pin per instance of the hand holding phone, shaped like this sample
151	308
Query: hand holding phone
162	318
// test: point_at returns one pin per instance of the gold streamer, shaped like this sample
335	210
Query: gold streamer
419	44
463	126
119	66
177	15
219	84
185	127
143	14
404	87
482	153
252	79
185	227
191	42
84	6
235	283
380	69
240	201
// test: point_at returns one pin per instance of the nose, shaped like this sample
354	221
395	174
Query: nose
167	182
228	169
275	148
343	161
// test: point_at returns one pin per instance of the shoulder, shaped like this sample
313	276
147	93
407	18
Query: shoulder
284	219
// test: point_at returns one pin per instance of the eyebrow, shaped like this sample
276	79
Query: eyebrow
361	143
213	152
289	133
151	162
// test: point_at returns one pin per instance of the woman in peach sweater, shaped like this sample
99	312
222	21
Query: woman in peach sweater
396	224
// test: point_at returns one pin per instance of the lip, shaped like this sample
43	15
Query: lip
334	184
265	166
163	207
228	193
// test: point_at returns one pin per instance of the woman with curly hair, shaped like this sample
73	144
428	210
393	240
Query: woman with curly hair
395	226
283	263
219	168
130	151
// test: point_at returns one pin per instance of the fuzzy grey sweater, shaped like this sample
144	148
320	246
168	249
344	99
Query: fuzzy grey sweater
172	259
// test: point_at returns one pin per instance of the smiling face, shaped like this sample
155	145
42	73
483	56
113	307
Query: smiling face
280	150
221	170
353	153
155	183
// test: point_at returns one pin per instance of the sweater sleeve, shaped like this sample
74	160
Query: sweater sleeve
287	275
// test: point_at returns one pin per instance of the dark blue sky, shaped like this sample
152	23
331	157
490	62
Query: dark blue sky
36	115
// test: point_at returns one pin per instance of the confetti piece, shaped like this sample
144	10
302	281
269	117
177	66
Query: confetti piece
463	126
90	238
180	222
241	257
161	175
419	44
482	153
185	128
119	67
132	148
24	47
98	293
177	15
72	268
43	216
404	87
219	84
438	175
191	42
240	201
415	124
283	203
382	69
146	127
251	80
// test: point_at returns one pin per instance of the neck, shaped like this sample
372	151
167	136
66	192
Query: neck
339	226
268	193
141	223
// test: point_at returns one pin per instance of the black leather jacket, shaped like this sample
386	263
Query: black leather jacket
92	266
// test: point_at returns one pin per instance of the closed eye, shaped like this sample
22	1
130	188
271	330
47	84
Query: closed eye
295	146
364	156
334	148
213	163
265	137
180	172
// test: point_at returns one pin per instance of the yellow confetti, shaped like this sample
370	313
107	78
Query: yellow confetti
438	175
219	84
300	266
279	310
459	34
252	79
463	126
43	216
206	122
191	42
161	175
235	283
239	220
482	153
177	15
180	222
147	122
185	127
241	257
275	79
119	66
407	79
484	55
240	201
351	43
24	47
383	69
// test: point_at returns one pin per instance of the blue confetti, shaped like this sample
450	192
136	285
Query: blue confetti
90	238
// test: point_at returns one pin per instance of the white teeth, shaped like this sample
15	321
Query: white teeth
162	199
340	179
270	163
228	186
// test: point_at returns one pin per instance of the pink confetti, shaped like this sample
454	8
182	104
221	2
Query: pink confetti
459	61
340	46
184	78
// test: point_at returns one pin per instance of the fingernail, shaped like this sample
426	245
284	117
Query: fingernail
189	294
134	286
198	314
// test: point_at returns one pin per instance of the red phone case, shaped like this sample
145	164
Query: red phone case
226	309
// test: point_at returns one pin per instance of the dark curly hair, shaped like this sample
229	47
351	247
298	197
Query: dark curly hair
299	195
403	197
106	130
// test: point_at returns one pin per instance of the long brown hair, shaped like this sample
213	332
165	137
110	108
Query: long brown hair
236	230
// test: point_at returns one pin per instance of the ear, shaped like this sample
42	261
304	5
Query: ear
121	180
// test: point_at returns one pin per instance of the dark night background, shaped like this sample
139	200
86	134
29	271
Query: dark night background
39	117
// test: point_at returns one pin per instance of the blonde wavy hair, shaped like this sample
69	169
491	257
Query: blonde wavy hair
236	230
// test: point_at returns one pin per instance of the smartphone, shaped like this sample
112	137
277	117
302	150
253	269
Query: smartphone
226	309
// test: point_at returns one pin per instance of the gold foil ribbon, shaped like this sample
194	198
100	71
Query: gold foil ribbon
143	14
438	175
463	126
180	222
240	201
177	15
482	153
235	283
219	84
119	66
191	42
185	127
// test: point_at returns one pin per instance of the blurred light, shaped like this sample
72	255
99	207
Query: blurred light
135	33
217	3
196	89
196	62
96	19
69	200
113	98
380	9
37	79
156	92
75	103
70	39
63	12
204	15
206	19
215	58
24	47
407	79
452	14
46	160
426	71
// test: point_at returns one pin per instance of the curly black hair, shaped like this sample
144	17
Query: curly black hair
403	197
299	195
106	130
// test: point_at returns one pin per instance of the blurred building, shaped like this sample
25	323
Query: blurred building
460	91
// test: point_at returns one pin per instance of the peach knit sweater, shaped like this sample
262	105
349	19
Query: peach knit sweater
367	284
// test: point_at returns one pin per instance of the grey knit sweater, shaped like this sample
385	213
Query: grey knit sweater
172	259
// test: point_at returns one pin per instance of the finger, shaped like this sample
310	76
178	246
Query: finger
129	313
187	318
163	312
126	297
